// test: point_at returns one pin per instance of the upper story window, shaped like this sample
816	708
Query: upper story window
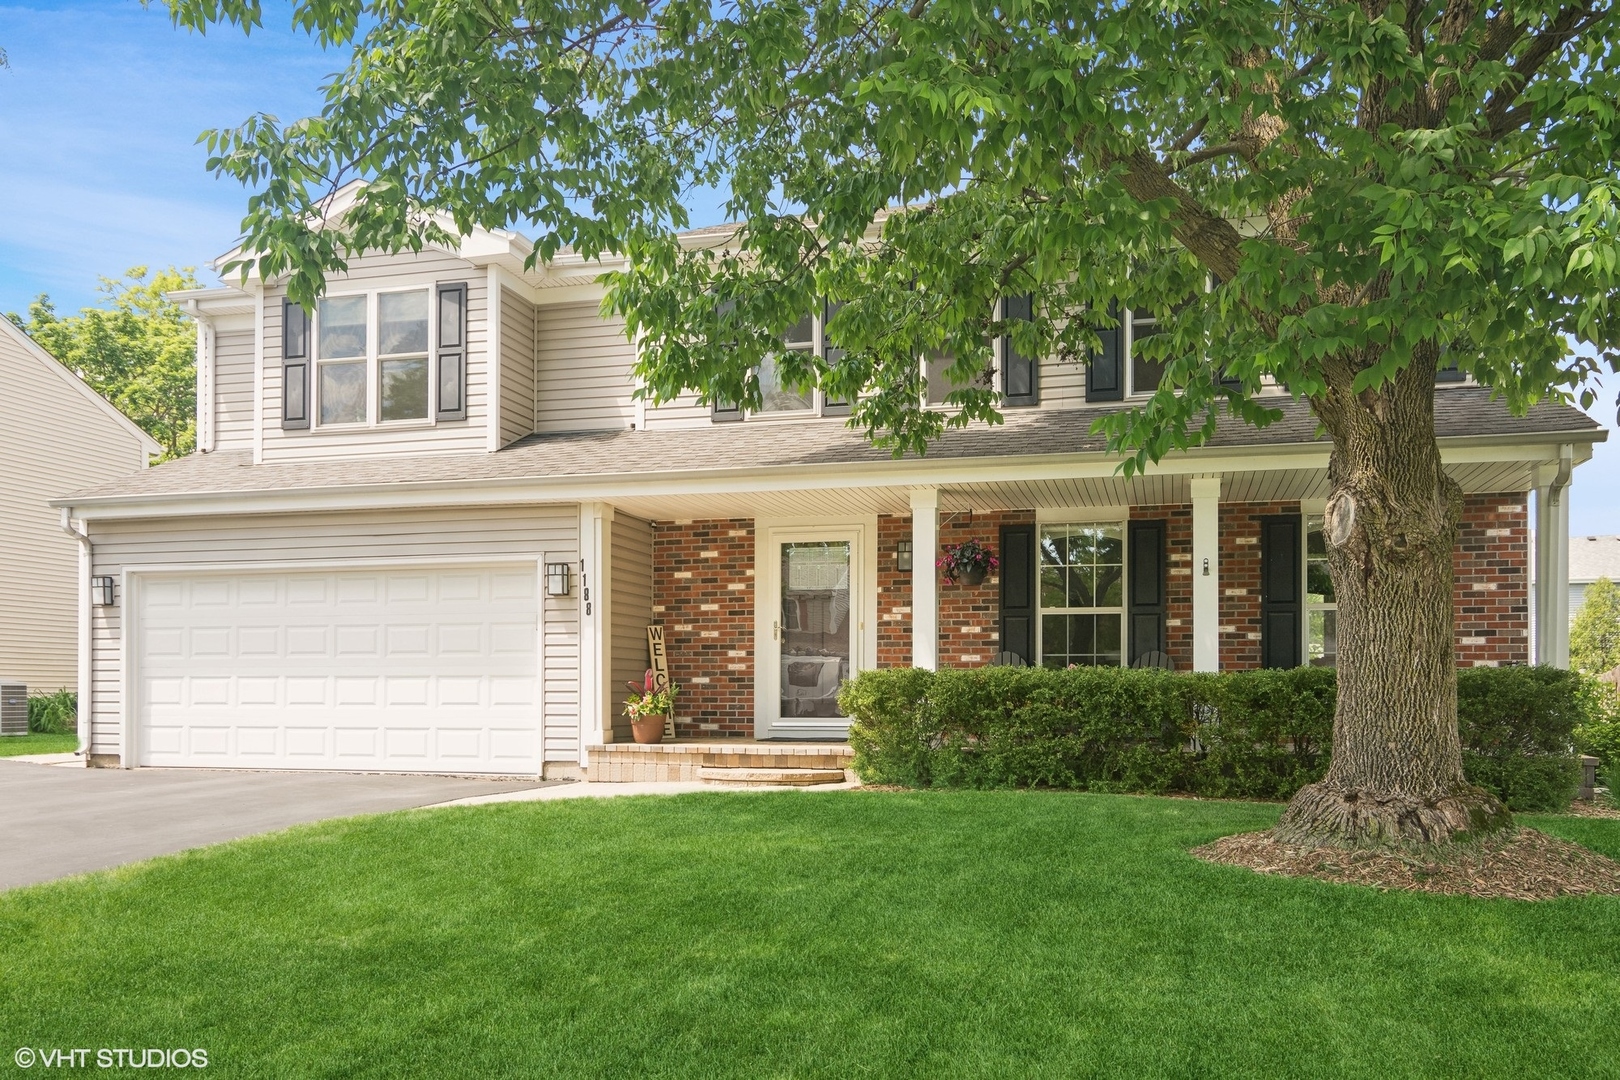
374	357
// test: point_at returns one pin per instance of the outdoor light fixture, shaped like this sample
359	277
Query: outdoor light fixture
557	579
1206	568
902	556
101	589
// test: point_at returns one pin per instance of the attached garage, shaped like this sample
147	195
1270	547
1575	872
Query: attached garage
403	668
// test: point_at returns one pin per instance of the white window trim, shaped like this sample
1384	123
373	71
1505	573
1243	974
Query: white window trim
1307	510
818	400
1123	524
373	361
1128	345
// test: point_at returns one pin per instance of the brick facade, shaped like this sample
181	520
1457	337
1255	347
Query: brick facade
1240	580
704	578
894	594
970	615
1178	545
1491	591
703	593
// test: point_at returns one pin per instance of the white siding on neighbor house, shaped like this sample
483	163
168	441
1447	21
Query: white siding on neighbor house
539	532
233	386
53	441
517	367
583	380
373	273
630	587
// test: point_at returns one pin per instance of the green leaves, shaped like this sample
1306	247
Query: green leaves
1403	181
136	349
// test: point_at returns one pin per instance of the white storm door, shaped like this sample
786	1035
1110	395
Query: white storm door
398	669
814	580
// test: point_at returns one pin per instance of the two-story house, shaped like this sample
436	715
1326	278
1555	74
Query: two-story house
429	523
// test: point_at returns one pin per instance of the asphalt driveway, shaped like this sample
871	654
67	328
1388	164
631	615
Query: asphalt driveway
60	821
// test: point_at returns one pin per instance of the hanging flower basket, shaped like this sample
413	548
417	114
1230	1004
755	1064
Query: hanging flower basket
968	562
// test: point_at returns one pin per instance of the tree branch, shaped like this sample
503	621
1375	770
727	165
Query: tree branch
1189	135
1569	23
1209	152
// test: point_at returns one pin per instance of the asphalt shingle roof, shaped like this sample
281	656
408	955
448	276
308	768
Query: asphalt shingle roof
1460	412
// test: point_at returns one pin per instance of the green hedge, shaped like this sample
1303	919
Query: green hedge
1250	734
53	714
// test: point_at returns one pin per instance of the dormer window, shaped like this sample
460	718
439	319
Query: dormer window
372	361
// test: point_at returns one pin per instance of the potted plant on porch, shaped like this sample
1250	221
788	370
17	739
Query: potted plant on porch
967	562
654	697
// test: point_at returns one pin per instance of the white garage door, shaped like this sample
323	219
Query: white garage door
400	669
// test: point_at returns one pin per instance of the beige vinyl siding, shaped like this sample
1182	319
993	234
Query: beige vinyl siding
1062	385
381	273
53	441
517	367
683	411
545	533
630	587
583	380
233	387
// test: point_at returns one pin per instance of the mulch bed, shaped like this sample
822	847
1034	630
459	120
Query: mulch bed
1528	866
1583	808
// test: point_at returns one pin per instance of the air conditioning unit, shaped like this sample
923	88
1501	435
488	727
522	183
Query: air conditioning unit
13	707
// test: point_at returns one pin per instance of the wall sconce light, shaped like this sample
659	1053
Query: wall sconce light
1206	568
101	591
557	579
902	556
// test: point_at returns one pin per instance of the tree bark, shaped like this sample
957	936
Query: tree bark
1396	776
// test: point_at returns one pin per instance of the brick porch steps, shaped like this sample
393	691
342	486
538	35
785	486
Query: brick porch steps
772	777
680	760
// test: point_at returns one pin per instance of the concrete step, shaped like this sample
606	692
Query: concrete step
772	777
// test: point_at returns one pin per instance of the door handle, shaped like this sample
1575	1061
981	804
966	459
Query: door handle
776	630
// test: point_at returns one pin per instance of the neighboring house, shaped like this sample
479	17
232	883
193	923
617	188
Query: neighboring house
56	434
429	523
1590	558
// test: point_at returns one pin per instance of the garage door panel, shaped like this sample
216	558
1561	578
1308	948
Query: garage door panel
413	670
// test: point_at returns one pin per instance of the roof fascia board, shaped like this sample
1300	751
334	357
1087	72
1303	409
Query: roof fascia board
152	447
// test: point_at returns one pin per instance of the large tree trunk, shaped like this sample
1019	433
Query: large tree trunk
1396	776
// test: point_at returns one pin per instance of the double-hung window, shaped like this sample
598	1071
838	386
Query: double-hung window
1082	594
371	358
1321	608
776	396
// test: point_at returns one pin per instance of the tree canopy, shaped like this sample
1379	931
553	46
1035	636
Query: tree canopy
1594	633
1371	184
136	349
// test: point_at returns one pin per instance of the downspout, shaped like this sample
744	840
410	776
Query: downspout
75	529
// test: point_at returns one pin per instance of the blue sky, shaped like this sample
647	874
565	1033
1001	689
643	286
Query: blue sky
100	169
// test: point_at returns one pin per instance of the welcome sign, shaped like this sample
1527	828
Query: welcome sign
658	660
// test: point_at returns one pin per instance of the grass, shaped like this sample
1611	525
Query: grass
869	934
14	745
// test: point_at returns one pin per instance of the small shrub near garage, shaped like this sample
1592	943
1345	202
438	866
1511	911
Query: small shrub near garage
1249	734
53	714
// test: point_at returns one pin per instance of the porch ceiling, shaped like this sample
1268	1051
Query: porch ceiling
1260	485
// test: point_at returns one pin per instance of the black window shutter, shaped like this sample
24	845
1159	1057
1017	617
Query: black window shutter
1020	374
1147	581
294	366
1280	592
452	352
1018	591
831	354
1105	375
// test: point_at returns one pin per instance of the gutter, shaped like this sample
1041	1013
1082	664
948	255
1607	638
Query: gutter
75	529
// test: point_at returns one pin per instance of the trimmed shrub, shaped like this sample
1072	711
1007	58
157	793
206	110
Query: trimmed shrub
1245	735
53	714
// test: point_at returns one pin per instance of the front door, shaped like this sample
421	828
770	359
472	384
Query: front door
812	645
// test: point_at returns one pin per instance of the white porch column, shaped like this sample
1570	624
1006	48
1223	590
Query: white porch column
1552	561
595	665
1206	569
924	578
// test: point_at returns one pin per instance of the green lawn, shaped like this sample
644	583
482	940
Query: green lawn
14	745
792	934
